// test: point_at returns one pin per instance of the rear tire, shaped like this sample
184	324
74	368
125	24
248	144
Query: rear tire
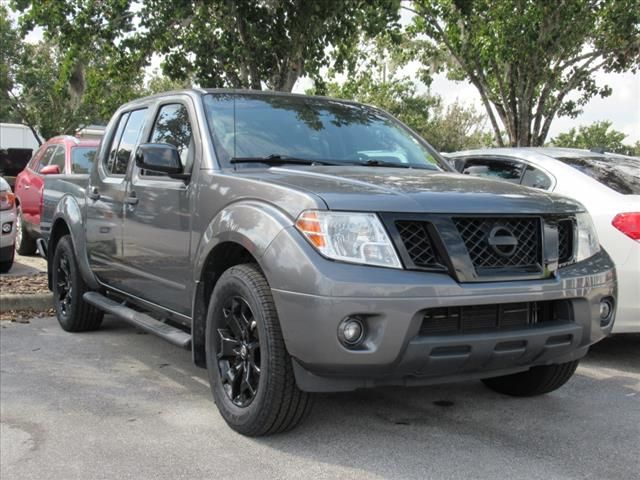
5	265
243	335
25	243
74	314
535	381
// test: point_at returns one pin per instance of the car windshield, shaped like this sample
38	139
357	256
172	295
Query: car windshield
621	174
289	129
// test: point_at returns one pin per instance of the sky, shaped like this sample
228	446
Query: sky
622	107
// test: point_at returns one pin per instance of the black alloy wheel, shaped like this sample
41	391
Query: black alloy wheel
239	352
64	284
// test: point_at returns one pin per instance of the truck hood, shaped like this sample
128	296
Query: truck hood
379	189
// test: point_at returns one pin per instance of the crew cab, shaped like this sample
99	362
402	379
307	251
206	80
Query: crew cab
59	155
302	244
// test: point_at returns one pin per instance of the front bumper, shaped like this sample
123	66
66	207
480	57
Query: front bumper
313	295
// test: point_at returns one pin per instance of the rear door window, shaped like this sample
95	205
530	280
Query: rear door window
82	159
124	141
115	141
508	170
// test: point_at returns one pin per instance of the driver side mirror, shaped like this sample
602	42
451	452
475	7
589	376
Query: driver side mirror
159	157
50	170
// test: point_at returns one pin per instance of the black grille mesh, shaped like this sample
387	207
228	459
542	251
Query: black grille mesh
494	317
475	233
565	241
416	241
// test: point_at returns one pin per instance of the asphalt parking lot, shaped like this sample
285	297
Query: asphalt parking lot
119	404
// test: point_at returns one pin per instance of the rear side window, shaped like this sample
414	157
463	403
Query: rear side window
621	174
535	178
82	159
172	126
497	169
124	141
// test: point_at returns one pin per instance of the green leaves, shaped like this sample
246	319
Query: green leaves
597	135
531	60
79	74
251	44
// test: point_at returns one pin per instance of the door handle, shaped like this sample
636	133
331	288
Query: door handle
132	199
94	194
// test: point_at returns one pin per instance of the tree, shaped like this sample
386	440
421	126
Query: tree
448	129
529	60
252	43
79	74
598	135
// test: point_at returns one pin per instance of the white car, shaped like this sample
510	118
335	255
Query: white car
8	226
607	185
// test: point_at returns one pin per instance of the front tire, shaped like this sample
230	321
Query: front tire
249	367
74	314
535	381
25	243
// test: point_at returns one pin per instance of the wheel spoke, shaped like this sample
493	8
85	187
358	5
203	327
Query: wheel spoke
245	385
228	346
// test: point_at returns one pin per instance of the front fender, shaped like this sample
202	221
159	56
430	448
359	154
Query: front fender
252	224
69	211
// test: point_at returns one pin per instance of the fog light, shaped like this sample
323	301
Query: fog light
6	227
606	310
351	332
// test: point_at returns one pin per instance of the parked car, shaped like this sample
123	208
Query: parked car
59	155
607	185
12	162
302	244
7	225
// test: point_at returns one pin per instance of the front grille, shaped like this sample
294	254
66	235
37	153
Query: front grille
416	241
478	232
565	241
493	317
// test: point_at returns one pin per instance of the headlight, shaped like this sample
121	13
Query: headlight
349	237
588	244
7	200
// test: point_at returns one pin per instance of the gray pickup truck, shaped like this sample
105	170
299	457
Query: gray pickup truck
301	244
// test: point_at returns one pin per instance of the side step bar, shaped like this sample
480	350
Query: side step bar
145	322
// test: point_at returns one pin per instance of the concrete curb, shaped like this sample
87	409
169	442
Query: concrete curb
33	301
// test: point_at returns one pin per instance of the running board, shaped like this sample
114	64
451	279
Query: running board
142	320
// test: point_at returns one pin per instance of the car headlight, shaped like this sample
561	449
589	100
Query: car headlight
588	244
349	237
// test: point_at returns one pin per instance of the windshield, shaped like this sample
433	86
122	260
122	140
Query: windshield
246	126
621	174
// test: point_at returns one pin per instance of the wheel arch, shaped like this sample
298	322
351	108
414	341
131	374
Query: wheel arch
68	219
240	233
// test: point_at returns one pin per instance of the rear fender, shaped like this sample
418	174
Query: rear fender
69	213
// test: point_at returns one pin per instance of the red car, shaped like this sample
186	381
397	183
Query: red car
59	155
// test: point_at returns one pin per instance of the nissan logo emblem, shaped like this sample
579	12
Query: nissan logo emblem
502	241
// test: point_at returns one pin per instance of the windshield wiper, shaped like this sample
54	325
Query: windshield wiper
280	159
381	163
